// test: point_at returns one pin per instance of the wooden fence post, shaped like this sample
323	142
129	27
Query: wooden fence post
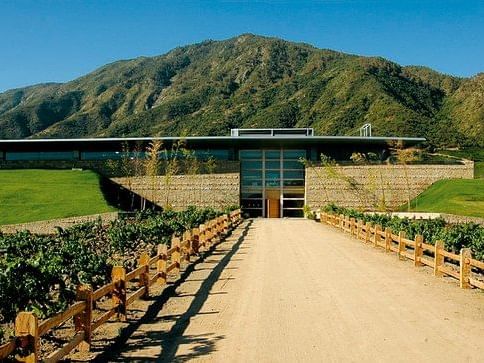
82	321
215	229
175	255
388	239
186	242
202	235
359	226
368	232
27	334
212	232
161	264
341	221
401	246
438	258
376	237
226	224
220	226
465	268
144	278
119	292
218	230
209	234
418	251
195	243
352	226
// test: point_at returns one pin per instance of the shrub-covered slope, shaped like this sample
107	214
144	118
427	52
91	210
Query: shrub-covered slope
250	81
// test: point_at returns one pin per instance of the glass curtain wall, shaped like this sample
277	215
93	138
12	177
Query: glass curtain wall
273	174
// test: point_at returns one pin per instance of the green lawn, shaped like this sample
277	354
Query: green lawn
33	195
454	196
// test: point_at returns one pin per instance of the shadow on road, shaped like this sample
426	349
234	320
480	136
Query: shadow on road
172	339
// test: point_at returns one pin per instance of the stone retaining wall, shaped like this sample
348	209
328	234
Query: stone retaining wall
449	218
367	186
49	226
452	218
180	191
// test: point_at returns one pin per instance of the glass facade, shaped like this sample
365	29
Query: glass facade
41	155
200	154
272	182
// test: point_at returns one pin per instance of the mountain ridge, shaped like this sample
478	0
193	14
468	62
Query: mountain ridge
250	81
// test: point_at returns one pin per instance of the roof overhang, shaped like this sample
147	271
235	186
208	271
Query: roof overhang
216	141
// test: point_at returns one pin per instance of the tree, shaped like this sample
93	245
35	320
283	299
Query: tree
172	168
152	164
379	202
404	157
132	165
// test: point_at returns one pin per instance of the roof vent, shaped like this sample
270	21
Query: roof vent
272	132
365	130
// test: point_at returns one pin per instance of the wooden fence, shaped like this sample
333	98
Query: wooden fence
469	271
29	330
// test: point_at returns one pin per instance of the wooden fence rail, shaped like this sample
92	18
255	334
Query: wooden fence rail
467	270
28	329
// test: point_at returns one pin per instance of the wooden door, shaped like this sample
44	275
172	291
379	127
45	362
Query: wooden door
273	208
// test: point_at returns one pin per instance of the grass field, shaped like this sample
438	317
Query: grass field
454	196
33	195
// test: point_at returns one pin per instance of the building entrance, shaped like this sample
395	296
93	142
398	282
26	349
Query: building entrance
272	182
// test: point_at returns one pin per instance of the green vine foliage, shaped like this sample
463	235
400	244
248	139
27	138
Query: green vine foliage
455	236
40	273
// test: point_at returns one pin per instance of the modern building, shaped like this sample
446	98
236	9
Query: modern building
267	174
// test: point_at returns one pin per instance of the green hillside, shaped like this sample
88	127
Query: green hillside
454	196
250	81
33	195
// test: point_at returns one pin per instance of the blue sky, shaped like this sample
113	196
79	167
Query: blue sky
46	41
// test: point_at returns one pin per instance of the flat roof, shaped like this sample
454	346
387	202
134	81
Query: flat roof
283	138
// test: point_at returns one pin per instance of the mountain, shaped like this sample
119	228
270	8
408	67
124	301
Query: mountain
250	81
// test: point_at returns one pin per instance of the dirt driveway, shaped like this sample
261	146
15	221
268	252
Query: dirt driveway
289	290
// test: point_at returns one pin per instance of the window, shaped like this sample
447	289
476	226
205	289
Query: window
273	154
251	164
261	170
294	154
251	154
293	174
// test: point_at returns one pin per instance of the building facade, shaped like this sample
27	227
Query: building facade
265	171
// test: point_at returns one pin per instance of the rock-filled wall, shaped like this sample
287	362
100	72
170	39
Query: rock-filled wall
50	226
369	186
179	191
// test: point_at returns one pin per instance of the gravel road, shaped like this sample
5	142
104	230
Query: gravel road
292	290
